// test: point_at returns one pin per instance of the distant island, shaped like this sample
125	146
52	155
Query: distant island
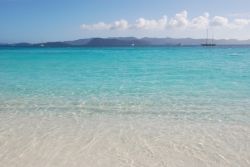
128	42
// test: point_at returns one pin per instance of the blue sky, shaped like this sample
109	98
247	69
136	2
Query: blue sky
57	20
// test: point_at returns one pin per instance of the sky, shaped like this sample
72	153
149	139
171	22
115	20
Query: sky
60	20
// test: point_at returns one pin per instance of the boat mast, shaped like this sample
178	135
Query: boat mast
209	42
207	37
212	36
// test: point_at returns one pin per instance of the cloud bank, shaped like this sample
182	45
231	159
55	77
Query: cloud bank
179	21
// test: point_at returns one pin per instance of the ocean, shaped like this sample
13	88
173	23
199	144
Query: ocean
152	106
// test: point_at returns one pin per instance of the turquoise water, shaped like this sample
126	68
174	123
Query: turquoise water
105	107
182	83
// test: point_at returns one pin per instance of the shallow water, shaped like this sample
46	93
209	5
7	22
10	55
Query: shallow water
185	106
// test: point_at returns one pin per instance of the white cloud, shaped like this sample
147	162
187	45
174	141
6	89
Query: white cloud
219	21
121	25
117	25
200	22
239	23
97	26
142	23
180	20
243	14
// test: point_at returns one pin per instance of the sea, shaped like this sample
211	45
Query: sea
128	106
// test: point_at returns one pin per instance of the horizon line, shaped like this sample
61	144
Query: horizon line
110	37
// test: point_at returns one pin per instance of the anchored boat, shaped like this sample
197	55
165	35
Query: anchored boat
207	43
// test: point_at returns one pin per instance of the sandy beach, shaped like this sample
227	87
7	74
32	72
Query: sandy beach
103	140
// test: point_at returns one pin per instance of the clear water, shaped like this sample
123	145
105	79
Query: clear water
190	105
183	83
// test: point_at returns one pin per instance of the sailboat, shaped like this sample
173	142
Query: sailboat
133	44
207	42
